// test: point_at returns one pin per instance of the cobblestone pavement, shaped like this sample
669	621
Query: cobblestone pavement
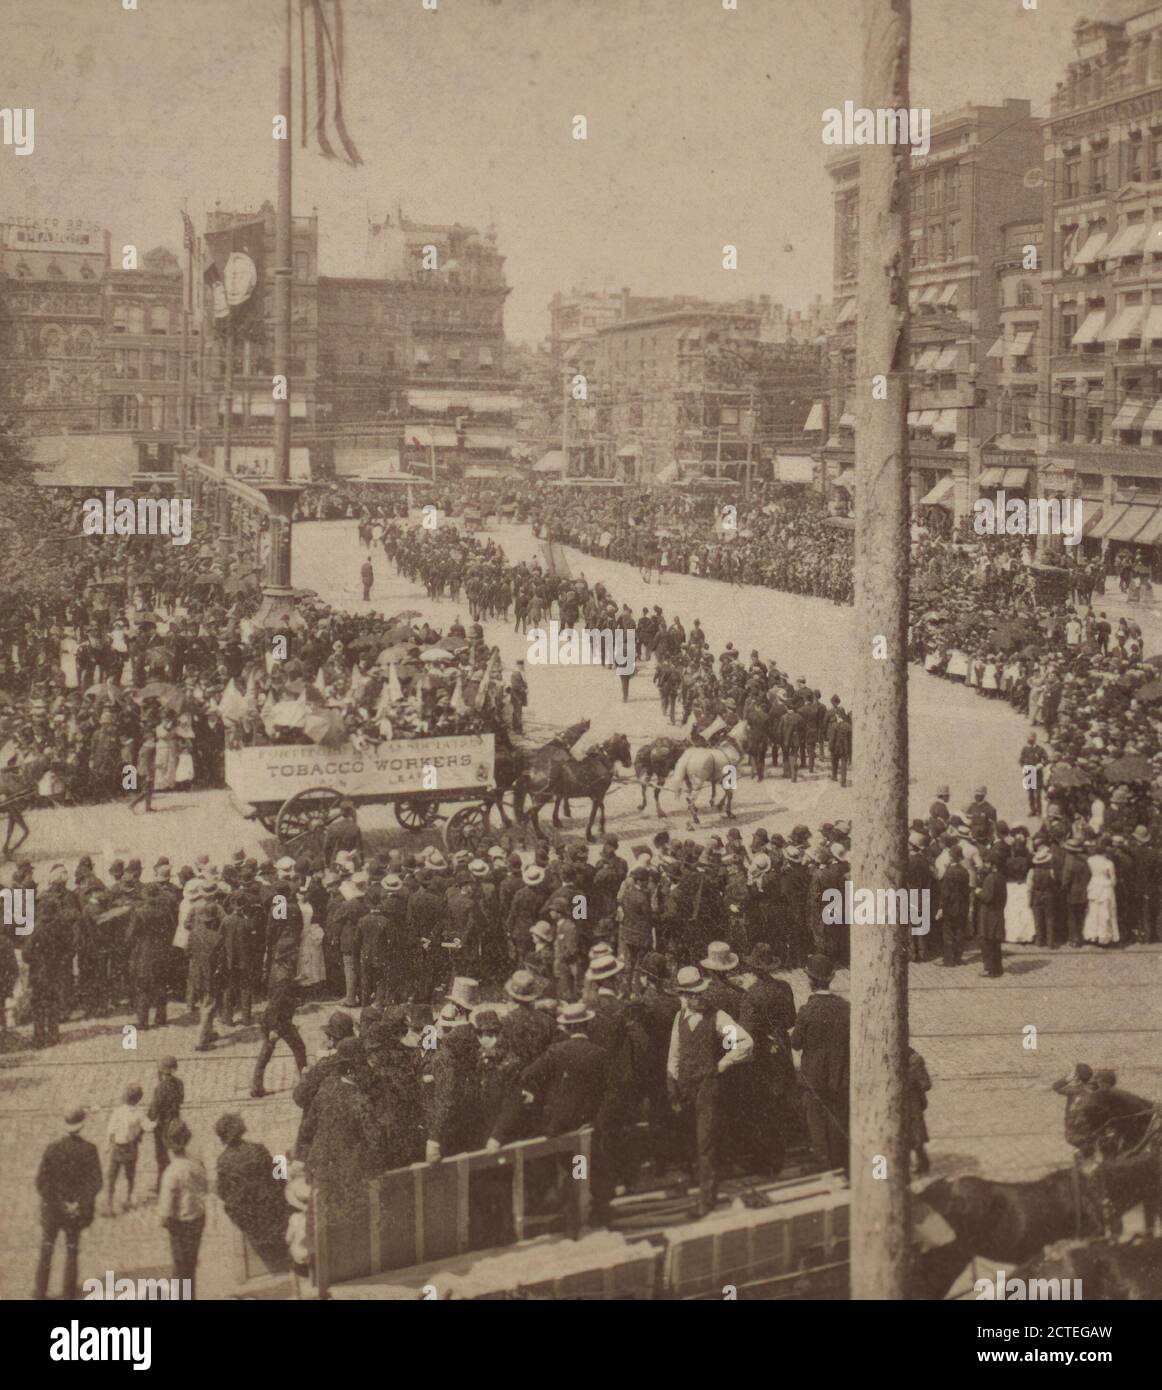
990	1107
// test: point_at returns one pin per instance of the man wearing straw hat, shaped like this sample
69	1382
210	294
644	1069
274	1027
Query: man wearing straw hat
704	1043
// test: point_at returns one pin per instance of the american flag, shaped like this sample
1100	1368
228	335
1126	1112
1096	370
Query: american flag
326	41
187	231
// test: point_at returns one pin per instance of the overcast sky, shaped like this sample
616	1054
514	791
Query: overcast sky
704	124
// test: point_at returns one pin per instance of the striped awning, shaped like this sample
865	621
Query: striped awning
847	420
945	422
940	495
1091	330
1127	324
1021	344
947	360
930	295
1128	242
1132	522
846	311
991	477
928	419
948	294
815	418
926	362
998	348
1133	411
1016	478
846	480
1152	533
1153	421
1094	245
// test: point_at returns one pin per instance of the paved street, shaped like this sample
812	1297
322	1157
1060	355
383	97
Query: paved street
990	1107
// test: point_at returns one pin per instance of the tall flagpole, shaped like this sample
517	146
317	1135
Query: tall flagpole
280	491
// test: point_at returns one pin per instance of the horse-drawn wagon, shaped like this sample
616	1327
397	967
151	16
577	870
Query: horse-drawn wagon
296	791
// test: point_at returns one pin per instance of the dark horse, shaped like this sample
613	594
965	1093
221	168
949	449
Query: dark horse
522	770
17	788
653	763
589	776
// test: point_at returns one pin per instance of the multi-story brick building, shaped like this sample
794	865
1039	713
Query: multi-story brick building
1101	315
52	275
978	175
140	349
691	388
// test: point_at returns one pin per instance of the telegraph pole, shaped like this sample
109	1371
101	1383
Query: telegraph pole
879	1154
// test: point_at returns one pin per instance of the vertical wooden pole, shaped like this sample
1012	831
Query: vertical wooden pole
879	954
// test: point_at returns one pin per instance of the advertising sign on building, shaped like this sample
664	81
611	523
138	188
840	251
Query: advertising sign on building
53	234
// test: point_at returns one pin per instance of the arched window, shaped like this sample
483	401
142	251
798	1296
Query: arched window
53	341
159	319
1025	295
120	319
136	319
86	343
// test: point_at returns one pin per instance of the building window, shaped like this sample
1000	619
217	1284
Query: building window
120	319
1068	325
136	319
157	366
1093	424
1072	176
1022	414
1100	171
952	186
302	264
952	240
159	319
1134	159
1026	299
1067	428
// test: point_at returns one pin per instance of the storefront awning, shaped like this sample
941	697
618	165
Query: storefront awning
846	480
1094	246
1131	414
1092	516
1127	242
947	360
846	311
1021	344
1132	522
847	420
913	419
551	462
1152	246
1152	532
629	451
940	495
945	423
1153	421
815	418
998	348
1092	329
1016	478
1153	328
669	474
948	295
927	419
1127	324
930	295
1106	523
927	359
991	477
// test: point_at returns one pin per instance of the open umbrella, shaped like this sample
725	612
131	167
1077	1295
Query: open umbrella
143	615
372	642
403	617
436	654
397	652
156	690
1065	775
1150	692
400	633
1132	768
455	644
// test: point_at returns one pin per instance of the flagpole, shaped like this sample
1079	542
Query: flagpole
280	491
184	415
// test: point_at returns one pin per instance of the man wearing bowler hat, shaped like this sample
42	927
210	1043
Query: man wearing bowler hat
704	1043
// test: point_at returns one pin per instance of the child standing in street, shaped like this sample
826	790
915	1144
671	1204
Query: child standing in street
126	1126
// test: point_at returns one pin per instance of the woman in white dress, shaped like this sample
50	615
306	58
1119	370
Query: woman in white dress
957	665
312	966
1101	912
1019	924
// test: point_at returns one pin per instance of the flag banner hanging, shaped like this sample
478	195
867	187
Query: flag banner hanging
234	278
322	63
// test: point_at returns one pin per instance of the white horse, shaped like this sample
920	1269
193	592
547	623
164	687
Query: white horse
700	767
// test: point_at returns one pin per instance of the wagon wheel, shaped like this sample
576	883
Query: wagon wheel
269	821
416	815
306	816
467	829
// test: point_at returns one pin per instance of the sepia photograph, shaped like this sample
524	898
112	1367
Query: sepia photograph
580	680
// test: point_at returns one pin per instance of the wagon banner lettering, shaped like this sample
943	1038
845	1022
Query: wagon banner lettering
275	772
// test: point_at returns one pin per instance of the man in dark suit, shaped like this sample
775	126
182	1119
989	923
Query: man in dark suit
342	834
278	1022
1147	882
569	1077
767	1012
992	896
822	1033
955	902
68	1180
1075	887
791	738
251	1195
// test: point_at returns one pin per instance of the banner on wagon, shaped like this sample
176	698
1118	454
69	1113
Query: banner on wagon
394	768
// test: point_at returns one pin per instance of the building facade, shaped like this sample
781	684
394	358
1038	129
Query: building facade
1102	306
978	176
140	349
52	322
